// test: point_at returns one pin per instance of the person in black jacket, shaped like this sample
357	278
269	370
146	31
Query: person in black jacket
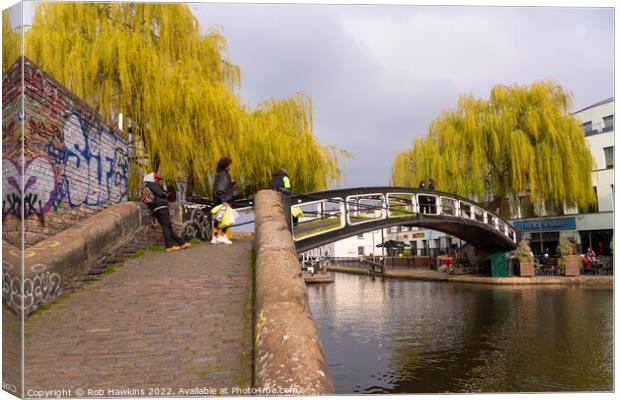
424	206
280	181
159	207
223	193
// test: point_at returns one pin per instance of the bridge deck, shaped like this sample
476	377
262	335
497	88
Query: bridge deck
176	320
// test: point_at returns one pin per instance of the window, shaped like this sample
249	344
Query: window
360	251
608	123
360	236
609	156
526	206
552	209
593	208
587	127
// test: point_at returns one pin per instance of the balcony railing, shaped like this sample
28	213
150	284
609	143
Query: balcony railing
597	128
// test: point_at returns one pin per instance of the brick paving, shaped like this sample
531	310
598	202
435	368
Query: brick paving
174	321
11	351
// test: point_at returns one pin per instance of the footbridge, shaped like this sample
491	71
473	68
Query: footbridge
337	214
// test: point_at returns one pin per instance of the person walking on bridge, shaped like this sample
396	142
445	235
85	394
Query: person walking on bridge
424	207
154	196
223	194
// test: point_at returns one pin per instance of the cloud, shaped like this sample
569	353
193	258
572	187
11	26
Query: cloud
379	74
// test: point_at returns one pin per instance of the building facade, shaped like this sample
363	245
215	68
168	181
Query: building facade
592	227
364	244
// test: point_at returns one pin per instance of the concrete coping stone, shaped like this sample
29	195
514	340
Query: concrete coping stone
288	350
57	263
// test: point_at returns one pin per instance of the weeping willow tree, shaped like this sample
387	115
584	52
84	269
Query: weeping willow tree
280	134
11	42
522	140
179	90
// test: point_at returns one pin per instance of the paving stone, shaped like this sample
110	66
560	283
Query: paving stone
163	320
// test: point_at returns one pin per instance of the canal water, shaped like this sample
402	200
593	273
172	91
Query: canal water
397	336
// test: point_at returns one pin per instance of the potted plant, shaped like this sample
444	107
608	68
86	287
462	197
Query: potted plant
526	259
570	261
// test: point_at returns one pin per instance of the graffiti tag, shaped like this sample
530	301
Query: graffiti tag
39	187
20	295
95	164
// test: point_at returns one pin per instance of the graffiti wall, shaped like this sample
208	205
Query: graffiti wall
74	164
12	118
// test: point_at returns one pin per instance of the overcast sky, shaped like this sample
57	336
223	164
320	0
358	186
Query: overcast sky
377	75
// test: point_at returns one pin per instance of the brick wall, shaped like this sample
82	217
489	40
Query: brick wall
75	163
63	262
11	139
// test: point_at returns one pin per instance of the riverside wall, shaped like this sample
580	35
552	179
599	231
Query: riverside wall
288	351
62	262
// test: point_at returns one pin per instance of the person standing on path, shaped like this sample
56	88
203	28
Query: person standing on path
223	193
280	181
158	204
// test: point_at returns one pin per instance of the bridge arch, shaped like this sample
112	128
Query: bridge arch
337	214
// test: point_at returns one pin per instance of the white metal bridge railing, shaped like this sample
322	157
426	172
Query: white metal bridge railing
322	215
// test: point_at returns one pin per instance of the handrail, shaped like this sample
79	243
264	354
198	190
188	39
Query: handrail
442	204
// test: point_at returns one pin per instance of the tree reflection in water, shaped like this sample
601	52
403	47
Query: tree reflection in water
393	336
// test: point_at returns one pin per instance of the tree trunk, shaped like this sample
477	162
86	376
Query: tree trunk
190	184
501	206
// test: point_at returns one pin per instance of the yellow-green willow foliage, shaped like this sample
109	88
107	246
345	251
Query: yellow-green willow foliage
176	85
522	140
280	134
11	42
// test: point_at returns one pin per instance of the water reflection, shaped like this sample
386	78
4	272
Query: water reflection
426	337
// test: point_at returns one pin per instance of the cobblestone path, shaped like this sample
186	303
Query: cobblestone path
164	324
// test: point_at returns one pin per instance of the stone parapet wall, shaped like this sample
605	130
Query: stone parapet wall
288	351
75	163
62	262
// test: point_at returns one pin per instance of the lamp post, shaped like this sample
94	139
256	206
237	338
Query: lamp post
373	246
540	238
382	248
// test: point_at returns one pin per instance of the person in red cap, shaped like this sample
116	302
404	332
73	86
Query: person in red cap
158	204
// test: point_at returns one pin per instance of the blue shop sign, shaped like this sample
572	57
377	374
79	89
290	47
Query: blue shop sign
549	224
